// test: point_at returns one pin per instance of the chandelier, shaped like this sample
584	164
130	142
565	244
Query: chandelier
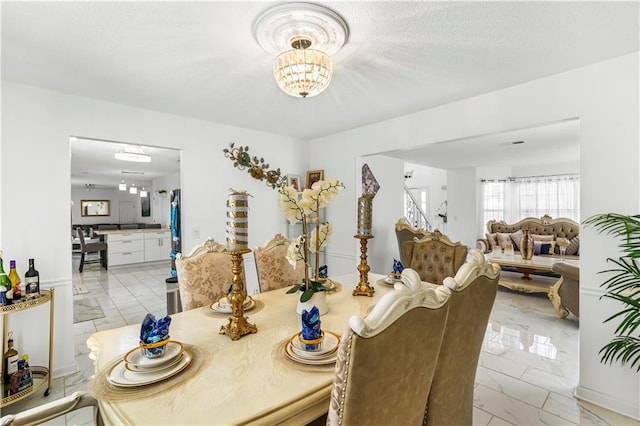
302	35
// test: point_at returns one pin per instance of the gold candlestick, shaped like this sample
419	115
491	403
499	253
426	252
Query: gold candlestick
238	325
363	288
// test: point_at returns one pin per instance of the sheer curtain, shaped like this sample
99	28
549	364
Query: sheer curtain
513	199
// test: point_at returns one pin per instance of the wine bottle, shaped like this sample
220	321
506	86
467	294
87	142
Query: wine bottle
9	360
5	285
15	280
32	280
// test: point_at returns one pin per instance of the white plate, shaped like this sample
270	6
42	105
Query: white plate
288	350
135	368
249	304
120	376
136	357
329	345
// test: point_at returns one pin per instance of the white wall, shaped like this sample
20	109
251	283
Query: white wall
35	172
604	97
462	209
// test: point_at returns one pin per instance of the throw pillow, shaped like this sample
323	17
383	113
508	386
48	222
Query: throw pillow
493	240
543	247
503	239
538	237
517	239
574	246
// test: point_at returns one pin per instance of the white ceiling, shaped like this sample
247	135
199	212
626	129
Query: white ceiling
93	162
199	59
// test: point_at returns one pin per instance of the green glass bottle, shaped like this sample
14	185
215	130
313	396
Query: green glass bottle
5	286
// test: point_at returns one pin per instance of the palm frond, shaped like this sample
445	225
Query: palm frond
623	349
615	224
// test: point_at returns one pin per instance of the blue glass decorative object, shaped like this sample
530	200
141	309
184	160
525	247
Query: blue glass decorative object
152	332
397	269
311	336
323	271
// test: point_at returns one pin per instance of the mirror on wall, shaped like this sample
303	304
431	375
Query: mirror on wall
95	208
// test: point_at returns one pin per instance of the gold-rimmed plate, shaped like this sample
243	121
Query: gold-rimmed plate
122	377
249	304
288	351
136	358
137	369
328	347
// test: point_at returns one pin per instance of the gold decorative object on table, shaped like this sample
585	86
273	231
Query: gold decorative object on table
238	324
363	288
237	242
370	188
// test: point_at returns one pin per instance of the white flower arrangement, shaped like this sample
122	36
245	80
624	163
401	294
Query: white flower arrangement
305	209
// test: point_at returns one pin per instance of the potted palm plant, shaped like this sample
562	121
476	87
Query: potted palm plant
624	286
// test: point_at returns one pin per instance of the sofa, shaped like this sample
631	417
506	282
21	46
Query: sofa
544	230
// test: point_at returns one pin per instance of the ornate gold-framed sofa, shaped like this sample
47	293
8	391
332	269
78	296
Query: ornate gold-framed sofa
499	232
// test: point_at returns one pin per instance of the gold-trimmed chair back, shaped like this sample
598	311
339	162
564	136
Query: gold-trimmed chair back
473	292
387	359
435	257
272	267
406	232
204	275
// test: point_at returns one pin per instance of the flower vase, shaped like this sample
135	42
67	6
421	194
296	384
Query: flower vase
526	245
319	299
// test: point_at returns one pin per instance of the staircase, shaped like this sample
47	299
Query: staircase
413	213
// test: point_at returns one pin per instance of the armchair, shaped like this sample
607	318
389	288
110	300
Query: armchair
565	294
52	410
404	233
272	267
386	360
473	292
204	275
434	257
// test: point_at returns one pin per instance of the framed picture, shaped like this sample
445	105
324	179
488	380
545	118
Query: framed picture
294	180
313	176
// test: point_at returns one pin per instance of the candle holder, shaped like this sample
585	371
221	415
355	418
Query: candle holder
238	325
363	288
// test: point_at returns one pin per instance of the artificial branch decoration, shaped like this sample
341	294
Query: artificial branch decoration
623	286
255	166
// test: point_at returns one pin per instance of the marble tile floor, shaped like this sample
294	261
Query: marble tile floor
527	373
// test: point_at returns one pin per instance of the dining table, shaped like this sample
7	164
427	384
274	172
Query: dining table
246	381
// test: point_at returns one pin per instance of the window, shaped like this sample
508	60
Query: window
513	199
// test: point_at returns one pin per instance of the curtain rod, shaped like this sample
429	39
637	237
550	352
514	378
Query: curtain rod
531	177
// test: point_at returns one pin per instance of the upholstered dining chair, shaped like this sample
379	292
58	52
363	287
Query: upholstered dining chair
272	267
386	360
406	232
473	292
204	275
435	257
54	409
97	247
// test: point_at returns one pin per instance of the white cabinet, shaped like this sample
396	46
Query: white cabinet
157	245
125	247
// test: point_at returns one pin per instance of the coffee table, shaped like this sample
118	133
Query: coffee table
525	282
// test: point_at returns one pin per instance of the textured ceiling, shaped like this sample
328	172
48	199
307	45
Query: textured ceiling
199	59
